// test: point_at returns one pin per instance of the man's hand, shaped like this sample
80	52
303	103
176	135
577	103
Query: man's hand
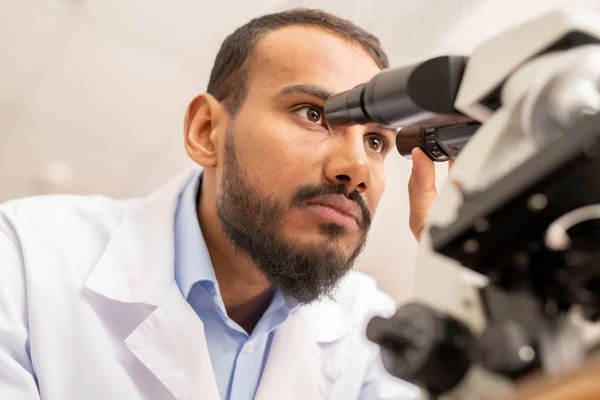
421	190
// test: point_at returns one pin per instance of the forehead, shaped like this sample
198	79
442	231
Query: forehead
306	54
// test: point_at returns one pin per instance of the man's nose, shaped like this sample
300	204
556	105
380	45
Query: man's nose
348	162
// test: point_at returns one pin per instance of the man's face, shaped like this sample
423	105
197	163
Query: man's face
295	195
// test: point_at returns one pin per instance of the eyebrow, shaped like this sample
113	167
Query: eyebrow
306	88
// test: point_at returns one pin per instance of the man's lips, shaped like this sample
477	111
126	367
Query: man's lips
337	209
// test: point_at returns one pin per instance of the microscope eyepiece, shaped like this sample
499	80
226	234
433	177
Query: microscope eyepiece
345	108
400	96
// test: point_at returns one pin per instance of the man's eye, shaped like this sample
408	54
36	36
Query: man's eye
313	114
376	143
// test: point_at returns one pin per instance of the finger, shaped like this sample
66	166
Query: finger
422	178
421	190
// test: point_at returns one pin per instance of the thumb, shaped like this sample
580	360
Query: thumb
421	190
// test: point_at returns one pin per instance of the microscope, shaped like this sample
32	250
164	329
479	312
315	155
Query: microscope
508	272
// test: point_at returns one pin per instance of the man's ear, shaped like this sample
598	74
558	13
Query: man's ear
204	119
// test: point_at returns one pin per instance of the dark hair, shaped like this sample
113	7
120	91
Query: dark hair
228	79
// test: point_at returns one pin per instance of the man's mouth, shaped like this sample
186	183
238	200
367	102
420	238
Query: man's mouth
336	209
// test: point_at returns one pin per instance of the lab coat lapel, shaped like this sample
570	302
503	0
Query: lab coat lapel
296	368
171	344
138	267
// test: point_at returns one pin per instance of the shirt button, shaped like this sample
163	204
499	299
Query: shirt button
248	348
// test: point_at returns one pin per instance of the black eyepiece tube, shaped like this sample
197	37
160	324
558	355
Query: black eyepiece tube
345	108
401	96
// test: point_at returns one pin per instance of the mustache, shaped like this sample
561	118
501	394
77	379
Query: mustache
309	192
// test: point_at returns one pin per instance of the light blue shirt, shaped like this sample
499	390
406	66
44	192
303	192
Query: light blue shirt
238	359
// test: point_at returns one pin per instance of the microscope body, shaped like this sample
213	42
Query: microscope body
509	264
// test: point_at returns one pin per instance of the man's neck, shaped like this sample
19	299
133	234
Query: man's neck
245	292
245	301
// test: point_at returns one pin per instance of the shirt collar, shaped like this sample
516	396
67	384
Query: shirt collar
192	260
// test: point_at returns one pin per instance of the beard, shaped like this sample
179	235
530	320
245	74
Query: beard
254	224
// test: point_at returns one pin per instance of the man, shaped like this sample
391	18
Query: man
231	282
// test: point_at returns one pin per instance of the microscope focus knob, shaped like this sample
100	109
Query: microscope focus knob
423	346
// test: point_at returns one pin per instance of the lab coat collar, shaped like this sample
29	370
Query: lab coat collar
137	266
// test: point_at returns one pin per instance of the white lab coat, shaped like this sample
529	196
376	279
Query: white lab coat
90	310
